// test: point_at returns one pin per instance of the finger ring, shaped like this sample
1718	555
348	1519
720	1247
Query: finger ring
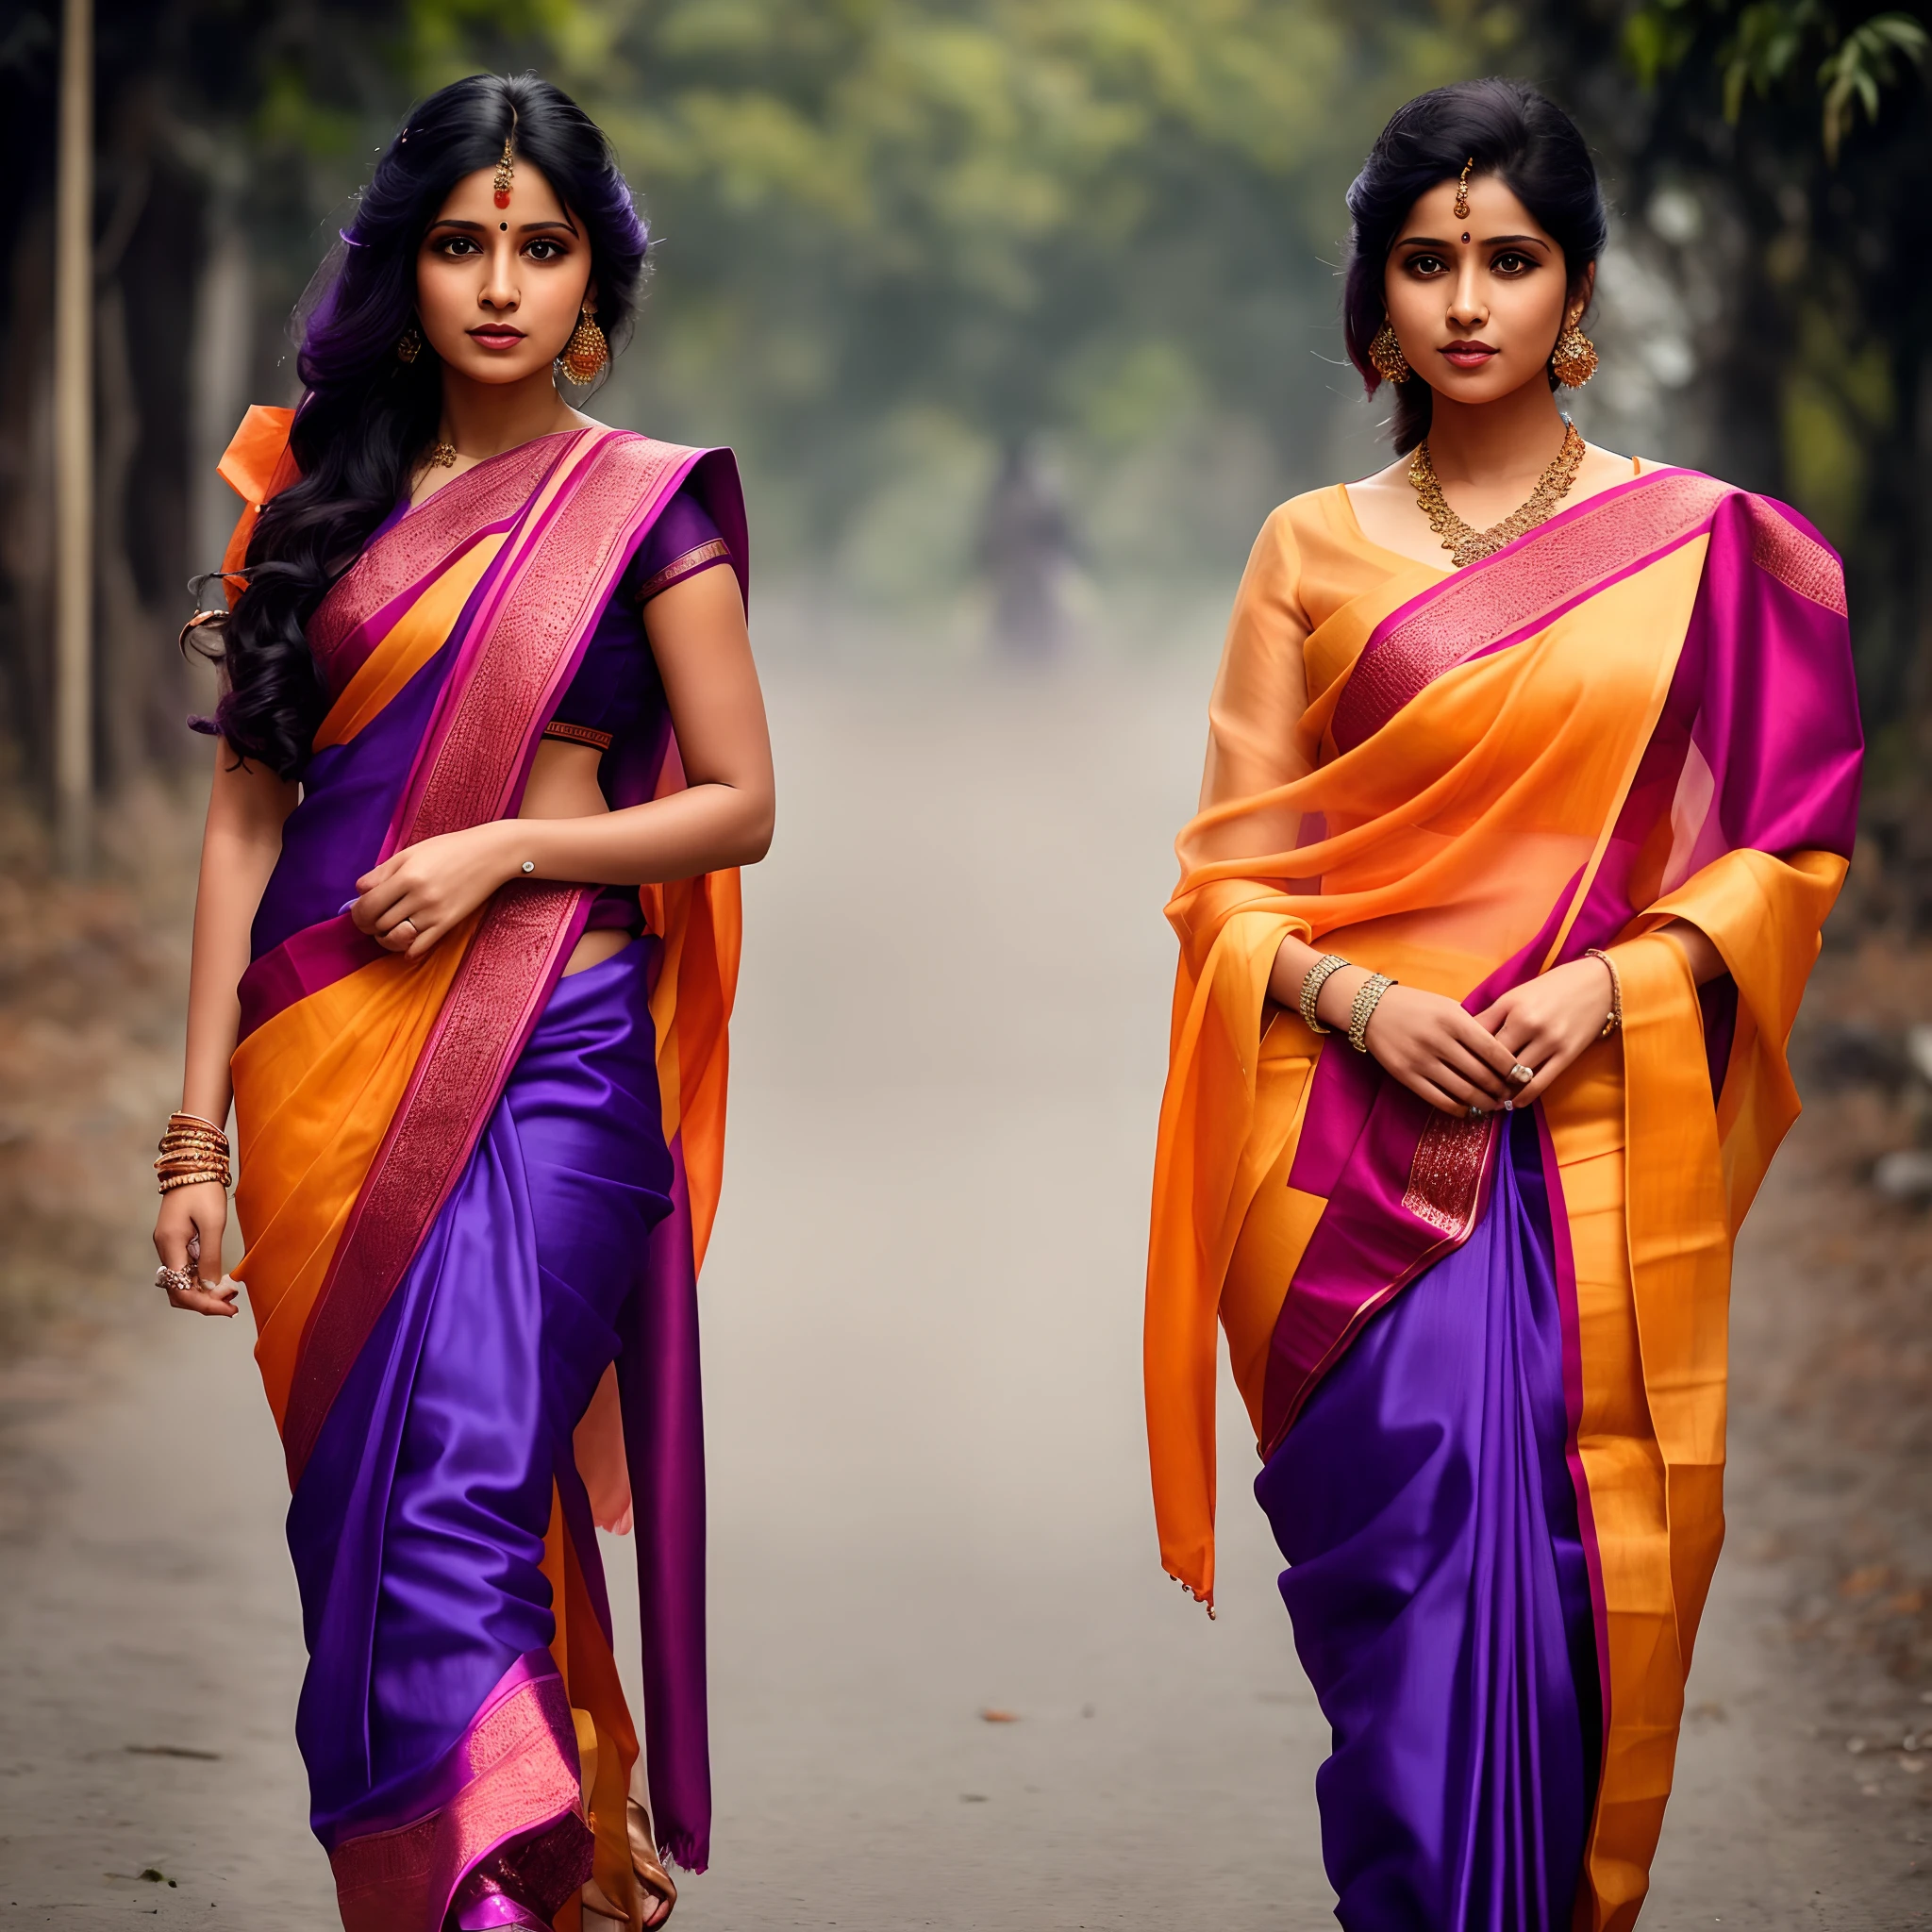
1523	1075
176	1280
1476	1113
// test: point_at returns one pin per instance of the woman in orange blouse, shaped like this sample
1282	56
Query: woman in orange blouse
1532	773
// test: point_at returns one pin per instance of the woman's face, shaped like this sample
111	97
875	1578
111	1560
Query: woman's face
498	289
1477	300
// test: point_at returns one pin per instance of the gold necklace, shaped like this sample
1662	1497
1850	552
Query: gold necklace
1465	544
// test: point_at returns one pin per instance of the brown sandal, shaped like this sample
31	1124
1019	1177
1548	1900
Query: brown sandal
651	1877
658	1895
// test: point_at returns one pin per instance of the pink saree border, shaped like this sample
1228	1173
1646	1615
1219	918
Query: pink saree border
1524	587
522	646
429	537
1446	1190
518	1768
472	768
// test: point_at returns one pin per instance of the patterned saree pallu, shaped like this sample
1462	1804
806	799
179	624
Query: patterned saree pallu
1485	1359
475	1195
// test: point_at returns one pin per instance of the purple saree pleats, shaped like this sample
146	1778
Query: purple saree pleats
1439	1590
418	1527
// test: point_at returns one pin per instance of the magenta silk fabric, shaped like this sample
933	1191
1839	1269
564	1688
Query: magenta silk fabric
1758	748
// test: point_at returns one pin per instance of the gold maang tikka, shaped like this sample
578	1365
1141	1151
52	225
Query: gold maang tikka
1461	191
507	167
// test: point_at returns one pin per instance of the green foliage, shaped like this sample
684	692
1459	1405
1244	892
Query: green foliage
1097	219
1865	61
1768	44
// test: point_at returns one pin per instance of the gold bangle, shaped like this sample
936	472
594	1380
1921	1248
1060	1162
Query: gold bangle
1615	1023
1366	1001
190	1181
196	1119
1313	980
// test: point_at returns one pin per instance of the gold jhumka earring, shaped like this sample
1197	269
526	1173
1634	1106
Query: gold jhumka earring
1462	191
410	345
586	352
1386	355
1575	358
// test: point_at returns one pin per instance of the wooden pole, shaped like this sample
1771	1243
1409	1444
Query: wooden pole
73	440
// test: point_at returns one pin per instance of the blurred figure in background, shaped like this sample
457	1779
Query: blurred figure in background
491	744
1027	547
1532	773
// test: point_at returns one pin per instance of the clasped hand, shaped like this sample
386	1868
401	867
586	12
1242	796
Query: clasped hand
1457	1061
419	895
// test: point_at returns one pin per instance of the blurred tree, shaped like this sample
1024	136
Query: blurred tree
219	124
1025	215
1790	139
1011	217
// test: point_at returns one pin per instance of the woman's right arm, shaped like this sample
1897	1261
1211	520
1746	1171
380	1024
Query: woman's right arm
245	812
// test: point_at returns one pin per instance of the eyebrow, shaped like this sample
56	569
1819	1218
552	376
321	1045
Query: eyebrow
523	227
1487	241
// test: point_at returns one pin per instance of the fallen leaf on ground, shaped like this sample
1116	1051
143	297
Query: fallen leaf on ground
999	1717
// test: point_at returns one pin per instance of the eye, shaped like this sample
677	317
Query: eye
1426	265
1510	263
454	247
544	249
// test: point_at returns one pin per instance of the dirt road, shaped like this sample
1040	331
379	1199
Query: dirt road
928	1497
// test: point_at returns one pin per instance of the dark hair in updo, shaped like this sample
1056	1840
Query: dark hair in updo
1515	134
366	417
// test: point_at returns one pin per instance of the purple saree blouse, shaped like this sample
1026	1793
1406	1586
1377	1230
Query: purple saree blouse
614	702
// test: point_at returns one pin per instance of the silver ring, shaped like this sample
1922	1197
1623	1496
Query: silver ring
1476	1113
1523	1075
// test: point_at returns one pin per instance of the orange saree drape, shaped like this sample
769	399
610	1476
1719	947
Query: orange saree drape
1640	712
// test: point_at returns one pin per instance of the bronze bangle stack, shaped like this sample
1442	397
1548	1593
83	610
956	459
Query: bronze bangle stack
193	1150
1615	1023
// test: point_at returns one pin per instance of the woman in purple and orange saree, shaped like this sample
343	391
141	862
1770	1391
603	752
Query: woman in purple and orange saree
1507	876
491	746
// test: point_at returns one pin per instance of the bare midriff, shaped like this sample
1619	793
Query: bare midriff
563	785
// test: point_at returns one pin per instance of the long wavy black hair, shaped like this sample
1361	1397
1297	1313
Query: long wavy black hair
1515	134
366	417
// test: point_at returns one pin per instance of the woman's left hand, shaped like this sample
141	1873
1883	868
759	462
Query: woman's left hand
1548	1020
413	899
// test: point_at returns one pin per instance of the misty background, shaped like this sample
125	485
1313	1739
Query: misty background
1020	314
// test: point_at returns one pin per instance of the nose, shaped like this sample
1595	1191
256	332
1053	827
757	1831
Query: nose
500	292
1467	309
